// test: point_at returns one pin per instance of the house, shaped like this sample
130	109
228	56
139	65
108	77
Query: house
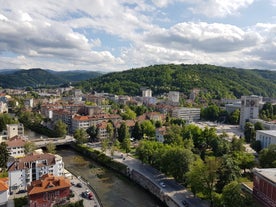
49	191
32	167
264	186
14	130
15	146
4	191
266	137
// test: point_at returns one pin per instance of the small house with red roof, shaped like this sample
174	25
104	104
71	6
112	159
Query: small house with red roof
48	191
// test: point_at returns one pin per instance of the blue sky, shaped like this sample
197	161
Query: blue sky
102	35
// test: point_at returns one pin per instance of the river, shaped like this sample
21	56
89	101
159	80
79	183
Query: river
112	188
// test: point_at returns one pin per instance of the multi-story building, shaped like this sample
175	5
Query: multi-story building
159	134
32	167
188	114
49	191
264	186
15	146
173	97
249	108
146	92
268	125
3	107
266	137
14	130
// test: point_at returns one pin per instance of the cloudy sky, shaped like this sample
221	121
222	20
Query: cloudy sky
115	35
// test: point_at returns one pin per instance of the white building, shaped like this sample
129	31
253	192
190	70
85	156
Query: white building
32	167
266	137
147	92
3	107
173	97
188	114
15	147
249	108
230	108
268	125
14	130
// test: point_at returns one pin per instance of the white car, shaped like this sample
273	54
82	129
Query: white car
162	184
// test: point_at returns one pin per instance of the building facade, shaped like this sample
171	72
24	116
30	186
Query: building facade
266	137
4	191
32	167
250	106
15	130
188	114
49	191
16	147
264	186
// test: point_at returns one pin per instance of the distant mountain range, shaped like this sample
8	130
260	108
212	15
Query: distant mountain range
36	77
214	81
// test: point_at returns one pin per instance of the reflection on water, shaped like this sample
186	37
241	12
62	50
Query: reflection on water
113	189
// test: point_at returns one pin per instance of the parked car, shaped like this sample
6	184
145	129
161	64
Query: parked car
87	194
79	185
21	191
162	184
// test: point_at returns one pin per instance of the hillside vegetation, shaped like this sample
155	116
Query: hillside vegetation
219	82
41	78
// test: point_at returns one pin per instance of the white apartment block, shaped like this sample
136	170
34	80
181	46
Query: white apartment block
249	108
14	130
3	107
188	114
32	167
147	93
266	137
15	147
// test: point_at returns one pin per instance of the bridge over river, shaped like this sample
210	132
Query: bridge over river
42	142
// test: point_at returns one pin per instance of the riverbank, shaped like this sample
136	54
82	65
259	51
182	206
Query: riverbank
165	189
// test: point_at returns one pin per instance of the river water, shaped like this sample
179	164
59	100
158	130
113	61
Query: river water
113	189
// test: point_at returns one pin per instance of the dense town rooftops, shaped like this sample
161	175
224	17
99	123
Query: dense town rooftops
47	183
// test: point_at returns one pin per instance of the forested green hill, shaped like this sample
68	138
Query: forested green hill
218	82
40	78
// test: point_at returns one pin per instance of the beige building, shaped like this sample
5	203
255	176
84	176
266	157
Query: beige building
14	130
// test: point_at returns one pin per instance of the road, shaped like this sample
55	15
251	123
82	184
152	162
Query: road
171	188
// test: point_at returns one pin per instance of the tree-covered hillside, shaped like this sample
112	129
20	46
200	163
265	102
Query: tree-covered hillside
220	82
41	78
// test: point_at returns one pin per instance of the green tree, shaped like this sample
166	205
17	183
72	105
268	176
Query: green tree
237	144
234	117
51	148
92	132
245	160
210	113
267	157
249	132
60	128
104	145
228	171
148	128
233	195
29	147
123	132
258	126
4	155
128	114
81	136
110	130
6	119
137	132
126	144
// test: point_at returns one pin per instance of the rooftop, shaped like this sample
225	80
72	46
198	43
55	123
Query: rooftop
268	132
269	173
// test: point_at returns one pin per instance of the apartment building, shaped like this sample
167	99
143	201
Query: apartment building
32	167
15	146
188	114
266	137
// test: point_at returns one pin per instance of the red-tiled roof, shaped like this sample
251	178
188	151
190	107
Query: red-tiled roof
15	142
4	184
47	183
